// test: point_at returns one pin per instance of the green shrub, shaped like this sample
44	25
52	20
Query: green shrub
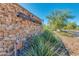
45	44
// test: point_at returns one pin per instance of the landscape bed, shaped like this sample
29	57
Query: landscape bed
45	44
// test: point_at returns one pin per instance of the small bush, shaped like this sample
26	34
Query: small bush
45	44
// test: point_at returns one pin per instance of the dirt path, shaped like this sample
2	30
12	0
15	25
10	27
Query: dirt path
71	43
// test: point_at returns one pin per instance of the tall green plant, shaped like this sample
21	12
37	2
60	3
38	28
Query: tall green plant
44	45
58	19
70	25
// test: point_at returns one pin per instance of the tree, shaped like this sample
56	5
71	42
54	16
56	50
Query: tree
77	27
70	25
58	19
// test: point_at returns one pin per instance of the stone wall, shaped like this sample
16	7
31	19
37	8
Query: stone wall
7	48
13	28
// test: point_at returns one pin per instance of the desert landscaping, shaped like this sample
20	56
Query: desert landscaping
23	33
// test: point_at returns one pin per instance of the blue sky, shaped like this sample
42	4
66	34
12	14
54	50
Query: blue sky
44	9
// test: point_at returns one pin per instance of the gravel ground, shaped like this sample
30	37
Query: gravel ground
71	43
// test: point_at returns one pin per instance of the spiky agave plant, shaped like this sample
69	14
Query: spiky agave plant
40	48
45	44
42	45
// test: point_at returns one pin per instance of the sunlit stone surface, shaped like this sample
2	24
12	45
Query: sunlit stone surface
13	29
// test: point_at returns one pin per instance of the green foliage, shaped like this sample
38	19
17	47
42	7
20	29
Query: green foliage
45	27
70	25
44	45
41	45
58	19
77	27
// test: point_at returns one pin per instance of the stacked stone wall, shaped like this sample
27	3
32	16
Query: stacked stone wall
13	28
